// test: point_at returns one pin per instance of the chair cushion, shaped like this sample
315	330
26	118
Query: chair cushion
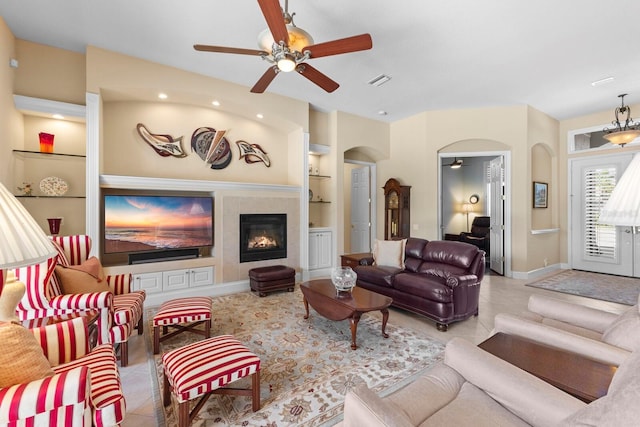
389	253
128	307
21	359
207	365
183	310
107	400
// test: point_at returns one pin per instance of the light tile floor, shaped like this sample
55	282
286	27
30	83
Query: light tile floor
497	295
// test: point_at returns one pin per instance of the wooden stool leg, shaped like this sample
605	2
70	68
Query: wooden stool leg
255	391
166	391
156	339
183	414
207	328
140	326
124	354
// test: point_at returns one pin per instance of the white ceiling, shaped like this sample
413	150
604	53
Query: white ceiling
439	54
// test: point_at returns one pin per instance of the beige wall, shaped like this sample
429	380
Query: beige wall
10	120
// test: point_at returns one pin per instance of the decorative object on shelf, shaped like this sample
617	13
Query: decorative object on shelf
23	243
343	278
53	186
164	145
310	168
46	142
27	189
540	194
252	153
212	147
622	134
54	225
310	195
317	172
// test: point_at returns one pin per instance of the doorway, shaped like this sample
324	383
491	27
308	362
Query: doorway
596	247
485	174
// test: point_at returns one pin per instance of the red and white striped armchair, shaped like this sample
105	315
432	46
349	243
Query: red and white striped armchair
120	310
85	389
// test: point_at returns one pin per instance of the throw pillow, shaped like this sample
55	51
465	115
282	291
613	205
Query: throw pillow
81	279
389	253
21	358
624	332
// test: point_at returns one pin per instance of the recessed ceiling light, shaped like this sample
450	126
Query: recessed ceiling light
58	116
162	96
382	113
215	103
259	115
602	81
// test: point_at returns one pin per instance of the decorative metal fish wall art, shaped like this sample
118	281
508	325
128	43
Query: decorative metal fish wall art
164	145
252	153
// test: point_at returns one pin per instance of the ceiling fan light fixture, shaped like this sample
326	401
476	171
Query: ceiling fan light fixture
456	164
622	134
298	39
286	64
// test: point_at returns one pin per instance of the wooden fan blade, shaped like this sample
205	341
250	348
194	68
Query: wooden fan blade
273	15
222	49
265	80
317	77
336	47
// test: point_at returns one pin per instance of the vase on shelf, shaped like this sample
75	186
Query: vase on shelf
54	225
46	142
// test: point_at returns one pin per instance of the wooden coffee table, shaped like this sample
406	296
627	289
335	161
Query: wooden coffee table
577	375
322	296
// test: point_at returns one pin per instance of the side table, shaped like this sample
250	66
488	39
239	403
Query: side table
91	317
351	260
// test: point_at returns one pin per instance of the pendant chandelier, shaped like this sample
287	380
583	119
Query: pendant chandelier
622	134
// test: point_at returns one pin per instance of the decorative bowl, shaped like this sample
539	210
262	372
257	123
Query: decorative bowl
343	278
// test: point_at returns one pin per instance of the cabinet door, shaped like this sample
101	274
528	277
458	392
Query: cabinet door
324	250
149	282
175	279
313	250
201	276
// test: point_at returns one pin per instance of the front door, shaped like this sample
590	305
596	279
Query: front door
598	247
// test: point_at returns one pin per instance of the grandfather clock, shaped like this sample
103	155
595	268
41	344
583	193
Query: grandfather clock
397	203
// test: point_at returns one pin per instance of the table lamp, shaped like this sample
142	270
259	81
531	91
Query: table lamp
623	206
22	243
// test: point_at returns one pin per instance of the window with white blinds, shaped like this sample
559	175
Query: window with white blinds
600	239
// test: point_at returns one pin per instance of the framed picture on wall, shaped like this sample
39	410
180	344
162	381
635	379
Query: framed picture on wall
540	194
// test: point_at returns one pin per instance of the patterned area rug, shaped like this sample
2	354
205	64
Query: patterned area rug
307	365
623	290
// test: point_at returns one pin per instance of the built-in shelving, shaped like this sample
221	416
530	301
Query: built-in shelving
39	154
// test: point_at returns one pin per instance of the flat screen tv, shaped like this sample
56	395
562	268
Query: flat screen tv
143	223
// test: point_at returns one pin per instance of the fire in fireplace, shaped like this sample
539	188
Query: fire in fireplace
263	236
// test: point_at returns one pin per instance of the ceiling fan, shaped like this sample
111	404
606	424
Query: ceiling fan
288	48
456	163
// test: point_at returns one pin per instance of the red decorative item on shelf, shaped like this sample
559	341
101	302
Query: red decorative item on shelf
46	142
54	225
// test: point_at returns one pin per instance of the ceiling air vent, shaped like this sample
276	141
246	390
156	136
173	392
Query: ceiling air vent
380	80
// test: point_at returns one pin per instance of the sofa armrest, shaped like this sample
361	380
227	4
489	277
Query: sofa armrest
33	403
83	302
466	280
528	397
575	314
362	407
559	338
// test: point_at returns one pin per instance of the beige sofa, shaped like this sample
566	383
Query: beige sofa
474	388
597	334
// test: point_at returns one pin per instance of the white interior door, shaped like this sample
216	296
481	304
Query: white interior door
599	247
360	201
496	234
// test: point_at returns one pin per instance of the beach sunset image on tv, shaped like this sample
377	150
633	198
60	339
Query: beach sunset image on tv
144	223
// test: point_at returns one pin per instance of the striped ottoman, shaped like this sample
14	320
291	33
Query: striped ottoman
201	368
193	310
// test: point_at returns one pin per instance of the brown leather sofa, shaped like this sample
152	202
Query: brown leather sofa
440	280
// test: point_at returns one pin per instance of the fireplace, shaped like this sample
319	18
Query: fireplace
263	236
